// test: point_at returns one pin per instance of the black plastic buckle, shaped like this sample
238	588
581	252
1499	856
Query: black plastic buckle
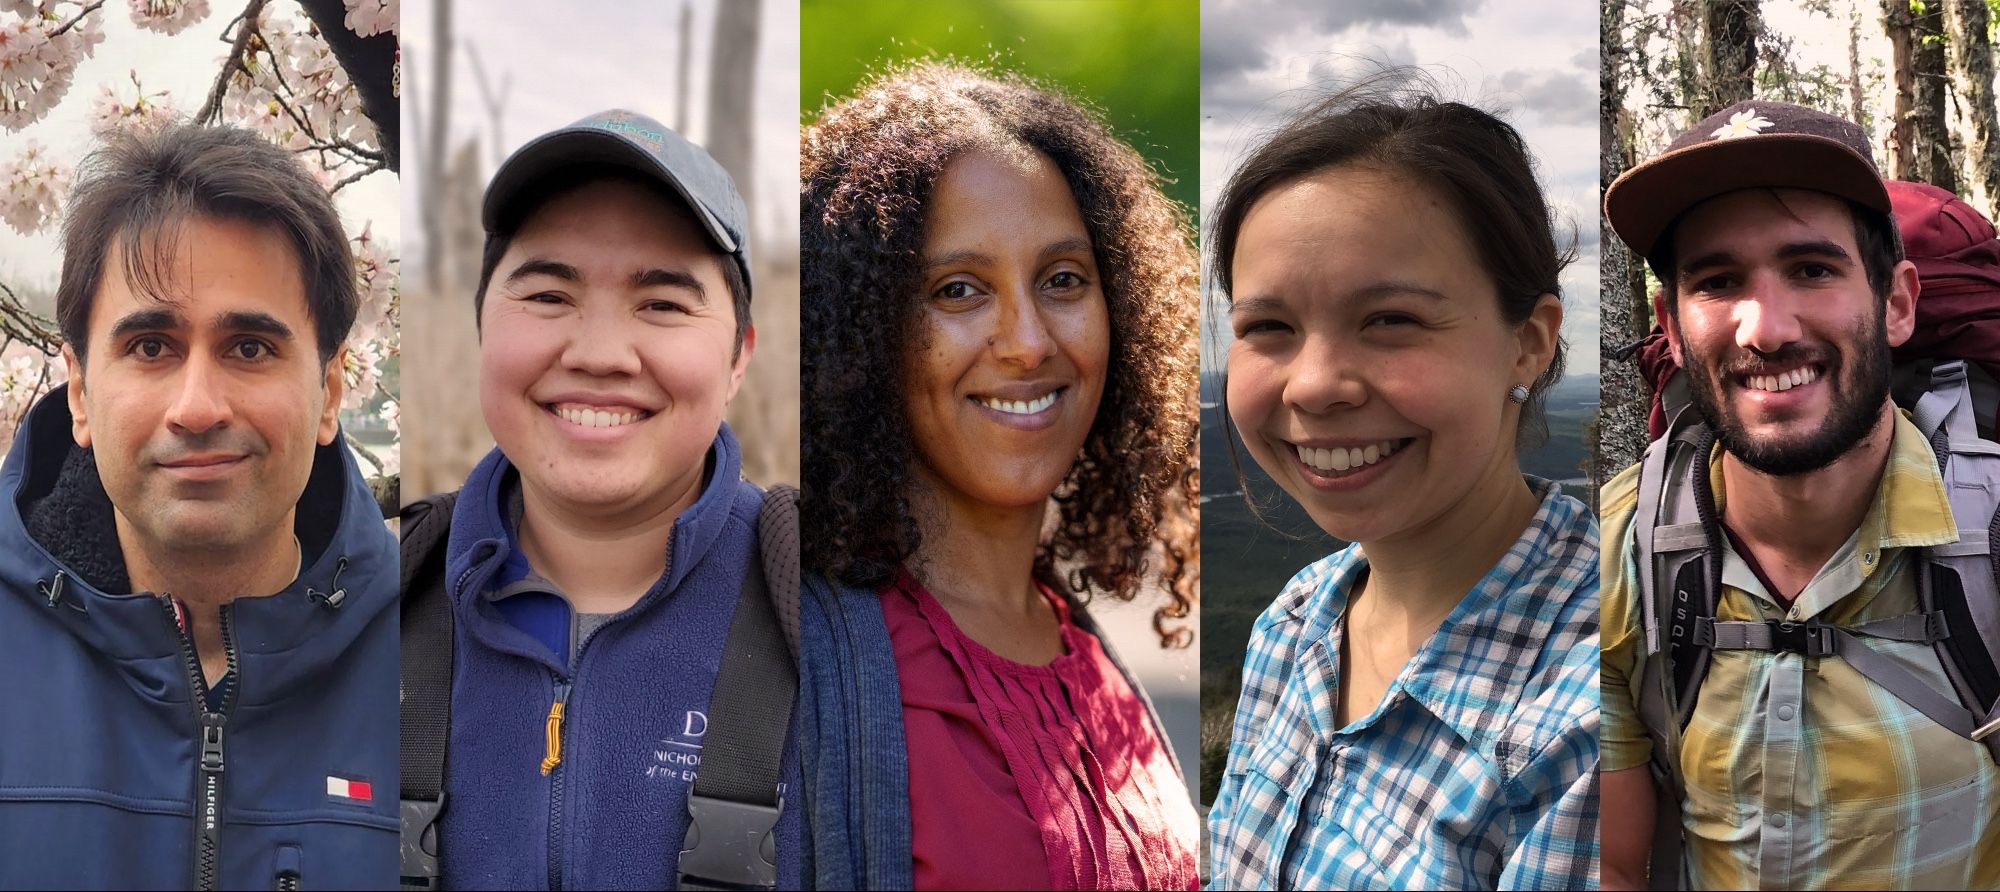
729	845
1804	639
420	842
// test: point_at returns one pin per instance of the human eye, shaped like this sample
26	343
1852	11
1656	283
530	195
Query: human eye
1065	280
148	348
1250	326
1713	284
253	350
1814	270
664	306
1392	320
955	291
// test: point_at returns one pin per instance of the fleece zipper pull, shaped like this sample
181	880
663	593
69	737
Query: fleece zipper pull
553	754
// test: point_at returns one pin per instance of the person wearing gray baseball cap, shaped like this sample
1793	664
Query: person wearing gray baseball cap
597	693
1787	702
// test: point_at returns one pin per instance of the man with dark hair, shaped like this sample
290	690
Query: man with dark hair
197	582
1781	709
589	705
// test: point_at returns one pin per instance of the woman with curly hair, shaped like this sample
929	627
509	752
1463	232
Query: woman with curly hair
998	425
1419	709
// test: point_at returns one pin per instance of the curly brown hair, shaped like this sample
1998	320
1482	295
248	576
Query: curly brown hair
867	169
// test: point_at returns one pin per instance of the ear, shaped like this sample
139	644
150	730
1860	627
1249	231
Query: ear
79	414
1671	325
335	387
1899	312
1538	338
742	361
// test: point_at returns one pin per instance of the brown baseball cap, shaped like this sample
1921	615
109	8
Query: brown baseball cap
1749	145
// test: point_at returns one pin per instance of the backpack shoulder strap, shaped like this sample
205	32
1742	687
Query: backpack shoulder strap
426	684
1958	579
1677	565
734	804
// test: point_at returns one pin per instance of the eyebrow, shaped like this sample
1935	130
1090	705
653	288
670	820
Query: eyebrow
1072	244
1811	248
156	319
670	278
160	319
1265	303
256	323
536	266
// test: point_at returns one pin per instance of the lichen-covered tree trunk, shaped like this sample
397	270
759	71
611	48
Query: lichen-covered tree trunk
1621	427
1932	150
1972	69
1730	37
1897	23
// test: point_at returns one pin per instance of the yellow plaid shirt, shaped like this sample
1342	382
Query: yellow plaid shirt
1876	795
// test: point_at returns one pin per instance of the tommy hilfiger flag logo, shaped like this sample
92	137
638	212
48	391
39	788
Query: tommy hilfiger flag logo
344	790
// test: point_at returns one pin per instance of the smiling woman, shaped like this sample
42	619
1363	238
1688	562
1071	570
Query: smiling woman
1419	709
998	425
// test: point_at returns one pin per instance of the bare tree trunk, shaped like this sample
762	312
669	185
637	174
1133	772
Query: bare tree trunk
732	89
1896	22
1620	432
1731	28
1933	130
434	146
681	116
1972	67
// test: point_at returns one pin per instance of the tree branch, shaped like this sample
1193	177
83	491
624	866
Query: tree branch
213	107
350	178
87	10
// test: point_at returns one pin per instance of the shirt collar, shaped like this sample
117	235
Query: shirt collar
1469	672
1910	506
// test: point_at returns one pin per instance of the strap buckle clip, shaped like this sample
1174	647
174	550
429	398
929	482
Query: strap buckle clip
1806	639
729	845
420	842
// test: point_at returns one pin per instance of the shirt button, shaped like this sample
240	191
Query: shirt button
1778	820
1784	713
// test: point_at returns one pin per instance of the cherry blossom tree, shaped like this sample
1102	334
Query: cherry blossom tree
317	77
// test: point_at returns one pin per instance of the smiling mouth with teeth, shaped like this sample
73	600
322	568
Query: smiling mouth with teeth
584	416
1782	382
1021	407
1334	462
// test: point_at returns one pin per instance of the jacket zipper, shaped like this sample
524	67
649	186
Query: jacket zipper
210	724
552	766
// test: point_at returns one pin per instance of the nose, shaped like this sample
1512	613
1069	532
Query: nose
1766	320
1022	335
1323	378
602	345
200	404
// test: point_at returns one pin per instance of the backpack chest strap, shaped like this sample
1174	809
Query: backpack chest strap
1816	639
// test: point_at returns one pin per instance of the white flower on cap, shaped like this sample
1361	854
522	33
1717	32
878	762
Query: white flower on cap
1744	123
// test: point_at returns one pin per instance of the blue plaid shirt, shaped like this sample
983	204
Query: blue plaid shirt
1477	771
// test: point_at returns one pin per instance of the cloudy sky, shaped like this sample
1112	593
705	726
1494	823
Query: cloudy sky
1535	61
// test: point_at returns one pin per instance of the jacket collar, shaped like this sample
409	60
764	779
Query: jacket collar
70	565
482	540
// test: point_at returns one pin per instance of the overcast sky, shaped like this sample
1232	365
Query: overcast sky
598	55
1534	61
185	64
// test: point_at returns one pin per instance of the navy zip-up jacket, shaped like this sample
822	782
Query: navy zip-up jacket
101	735
613	812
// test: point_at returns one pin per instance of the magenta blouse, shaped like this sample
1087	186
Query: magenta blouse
1032	777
